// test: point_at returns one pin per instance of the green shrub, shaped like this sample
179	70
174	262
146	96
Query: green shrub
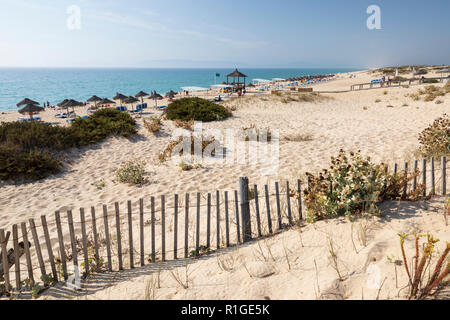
197	109
353	185
132	172
29	149
435	140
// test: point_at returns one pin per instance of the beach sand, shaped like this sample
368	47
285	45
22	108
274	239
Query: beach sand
385	131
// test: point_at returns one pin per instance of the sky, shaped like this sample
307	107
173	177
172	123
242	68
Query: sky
213	33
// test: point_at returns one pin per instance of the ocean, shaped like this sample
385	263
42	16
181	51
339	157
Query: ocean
57	84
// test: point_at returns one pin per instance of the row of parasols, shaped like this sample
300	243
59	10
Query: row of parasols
30	107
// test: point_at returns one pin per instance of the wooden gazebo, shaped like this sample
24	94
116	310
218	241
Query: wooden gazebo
236	74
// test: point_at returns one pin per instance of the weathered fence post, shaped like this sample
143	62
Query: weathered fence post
49	247
74	245
288	199
208	221
424	176
130	234
186	226
197	230
84	239
108	244
433	181
141	230
416	167
405	187
444	175
62	250
277	196
26	244
236	208
227	226
217	219
299	190
119	236
245	209
152	218
37	247
269	218
163	228
258	216
5	263
94	231
16	255
175	227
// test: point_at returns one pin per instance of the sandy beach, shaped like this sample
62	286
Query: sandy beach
386	130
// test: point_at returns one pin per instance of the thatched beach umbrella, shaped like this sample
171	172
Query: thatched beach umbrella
94	99
131	100
105	101
70	103
27	101
156	96
30	109
120	97
170	95
141	95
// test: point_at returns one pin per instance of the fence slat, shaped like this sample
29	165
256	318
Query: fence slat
94	231
405	187
26	245
416	167
236	208
277	195
118	236
269	218
74	244
141	230
62	250
227	221
395	168
186	226
245	210
108	243
163	228
288	200
130	234
197	230
258	216
49	247
37	247
299	190
208	221
84	240
424	176
444	175
16	255
152	205
217	219
175	227
5	262
433	181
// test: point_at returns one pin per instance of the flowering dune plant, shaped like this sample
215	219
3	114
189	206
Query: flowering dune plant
435	140
354	185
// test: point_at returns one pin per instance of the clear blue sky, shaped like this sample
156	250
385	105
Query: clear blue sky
213	33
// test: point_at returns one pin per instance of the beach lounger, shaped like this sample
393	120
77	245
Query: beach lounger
28	119
161	107
70	120
121	108
61	115
84	117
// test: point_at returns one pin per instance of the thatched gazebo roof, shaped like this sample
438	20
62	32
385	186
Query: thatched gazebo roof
236	74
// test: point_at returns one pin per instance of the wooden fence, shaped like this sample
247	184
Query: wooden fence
394	83
115	240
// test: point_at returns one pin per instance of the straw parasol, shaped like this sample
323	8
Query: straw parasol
141	95
30	109
27	101
70	103
120	97
94	99
171	94
156	96
105	101
236	74
130	100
